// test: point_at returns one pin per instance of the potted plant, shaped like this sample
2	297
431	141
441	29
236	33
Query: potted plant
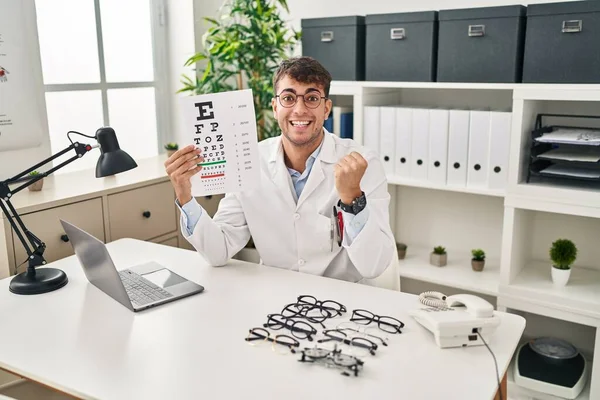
171	148
401	248
563	253
438	257
478	260
242	49
36	186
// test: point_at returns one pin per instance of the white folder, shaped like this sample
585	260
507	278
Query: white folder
420	144
371	128
387	138
500	128
458	145
438	146
403	141
479	144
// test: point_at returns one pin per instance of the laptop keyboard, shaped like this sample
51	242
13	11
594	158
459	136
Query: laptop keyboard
140	290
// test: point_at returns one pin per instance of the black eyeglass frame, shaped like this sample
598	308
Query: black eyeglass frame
371	317
355	341
267	336
278	96
303	299
291	325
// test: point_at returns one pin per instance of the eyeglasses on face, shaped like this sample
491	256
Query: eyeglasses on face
386	324
332	306
311	99
262	335
299	329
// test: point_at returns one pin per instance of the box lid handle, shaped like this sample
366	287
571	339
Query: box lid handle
476	30
327	36
397	33
572	26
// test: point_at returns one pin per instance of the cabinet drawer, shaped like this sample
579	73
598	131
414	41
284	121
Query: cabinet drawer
173	242
45	224
143	213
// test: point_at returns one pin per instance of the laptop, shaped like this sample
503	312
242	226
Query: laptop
137	288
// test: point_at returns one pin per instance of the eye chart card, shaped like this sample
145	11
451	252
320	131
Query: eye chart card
223	126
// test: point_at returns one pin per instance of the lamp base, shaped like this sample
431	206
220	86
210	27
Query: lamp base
45	280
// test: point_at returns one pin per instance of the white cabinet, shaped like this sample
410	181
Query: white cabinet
514	221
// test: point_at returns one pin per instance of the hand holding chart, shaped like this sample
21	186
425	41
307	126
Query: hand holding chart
223	127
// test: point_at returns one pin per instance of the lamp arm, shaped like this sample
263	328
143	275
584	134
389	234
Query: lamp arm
35	248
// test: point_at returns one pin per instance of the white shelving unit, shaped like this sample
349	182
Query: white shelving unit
515	226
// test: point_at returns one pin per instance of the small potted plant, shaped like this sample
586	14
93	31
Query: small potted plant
438	257
401	248
563	253
478	260
171	148
36	186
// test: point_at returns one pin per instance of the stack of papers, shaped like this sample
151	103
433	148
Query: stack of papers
571	136
562	170
583	154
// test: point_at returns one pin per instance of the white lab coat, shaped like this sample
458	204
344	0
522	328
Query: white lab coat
296	236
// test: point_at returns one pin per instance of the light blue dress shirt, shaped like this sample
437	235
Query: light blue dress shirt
353	224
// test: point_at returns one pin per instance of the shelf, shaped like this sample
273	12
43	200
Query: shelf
457	274
516	392
398	180
575	198
580	296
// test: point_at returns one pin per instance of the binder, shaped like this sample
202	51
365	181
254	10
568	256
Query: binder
347	125
420	144
387	141
438	146
458	145
337	118
500	128
479	144
328	124
403	142
371	128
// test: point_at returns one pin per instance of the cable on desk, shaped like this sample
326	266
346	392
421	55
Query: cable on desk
495	364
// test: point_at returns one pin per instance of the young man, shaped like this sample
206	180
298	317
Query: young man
305	173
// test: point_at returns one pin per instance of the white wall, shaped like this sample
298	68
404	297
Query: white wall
14	161
181	42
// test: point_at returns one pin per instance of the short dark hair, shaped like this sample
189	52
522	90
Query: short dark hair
304	70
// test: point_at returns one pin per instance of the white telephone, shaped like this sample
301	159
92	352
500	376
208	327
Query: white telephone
456	321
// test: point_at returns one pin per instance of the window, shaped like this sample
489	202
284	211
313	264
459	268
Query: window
103	63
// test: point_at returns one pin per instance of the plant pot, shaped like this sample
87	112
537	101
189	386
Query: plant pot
170	152
37	186
477	265
560	277
439	260
401	248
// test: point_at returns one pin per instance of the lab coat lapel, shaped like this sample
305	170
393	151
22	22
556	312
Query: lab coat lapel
317	175
281	176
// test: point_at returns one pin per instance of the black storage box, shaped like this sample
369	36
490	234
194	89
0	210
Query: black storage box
401	47
481	44
338	43
563	43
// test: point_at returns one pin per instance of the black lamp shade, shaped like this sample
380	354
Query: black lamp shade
112	159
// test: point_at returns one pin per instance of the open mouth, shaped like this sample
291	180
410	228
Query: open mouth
300	124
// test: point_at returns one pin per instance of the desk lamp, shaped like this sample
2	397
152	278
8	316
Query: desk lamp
112	161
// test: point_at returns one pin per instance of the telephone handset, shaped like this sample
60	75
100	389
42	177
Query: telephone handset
456	321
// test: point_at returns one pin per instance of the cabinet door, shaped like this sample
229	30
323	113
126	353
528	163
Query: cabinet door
45	224
142	213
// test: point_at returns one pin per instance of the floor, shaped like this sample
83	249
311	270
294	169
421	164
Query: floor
27	390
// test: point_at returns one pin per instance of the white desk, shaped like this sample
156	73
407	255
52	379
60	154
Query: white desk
82	342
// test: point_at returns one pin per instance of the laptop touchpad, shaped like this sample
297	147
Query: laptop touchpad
164	278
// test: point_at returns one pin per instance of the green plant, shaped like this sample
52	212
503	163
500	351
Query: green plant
34	173
243	50
563	253
171	146
478	254
439	250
